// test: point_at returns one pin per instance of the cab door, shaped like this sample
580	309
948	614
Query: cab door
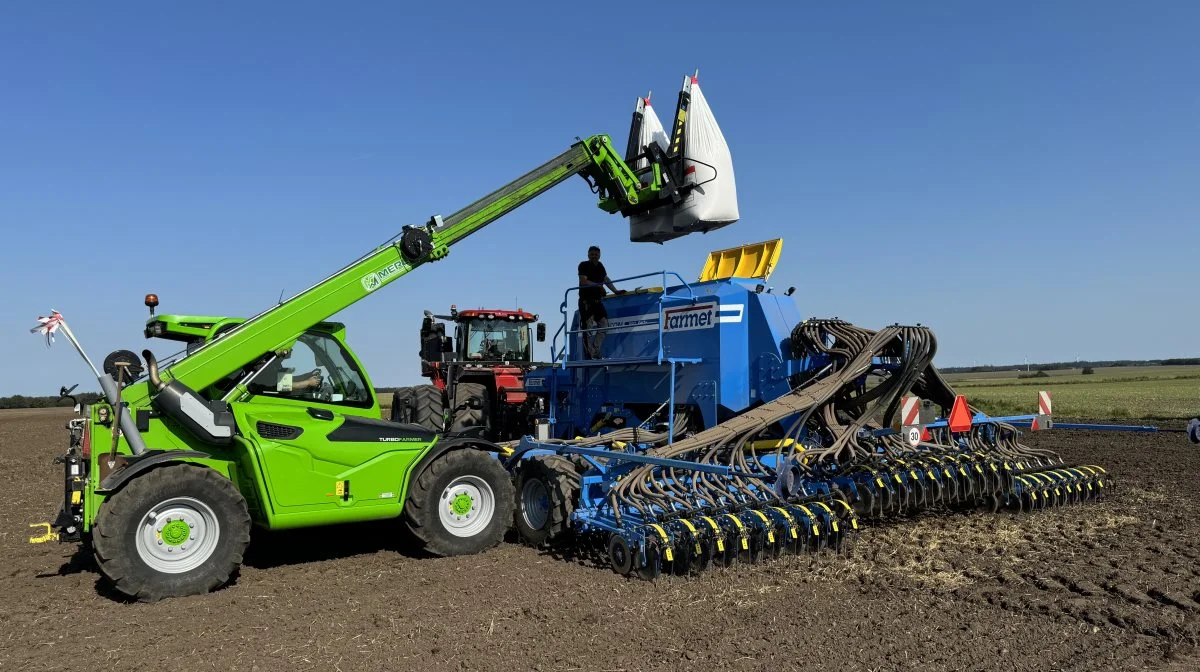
308	417
316	458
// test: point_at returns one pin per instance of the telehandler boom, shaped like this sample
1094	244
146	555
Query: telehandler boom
165	478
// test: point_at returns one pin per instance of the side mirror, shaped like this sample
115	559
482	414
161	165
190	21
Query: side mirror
541	332
447	344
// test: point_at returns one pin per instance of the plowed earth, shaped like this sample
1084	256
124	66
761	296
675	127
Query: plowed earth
1110	585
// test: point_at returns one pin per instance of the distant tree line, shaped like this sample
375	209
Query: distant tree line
1057	366
22	401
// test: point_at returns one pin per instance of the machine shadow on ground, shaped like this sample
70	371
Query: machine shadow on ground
270	549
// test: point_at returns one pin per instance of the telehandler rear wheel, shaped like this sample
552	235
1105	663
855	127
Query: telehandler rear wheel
176	530
461	503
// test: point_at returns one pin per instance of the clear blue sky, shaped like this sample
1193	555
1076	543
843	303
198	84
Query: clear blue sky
1023	179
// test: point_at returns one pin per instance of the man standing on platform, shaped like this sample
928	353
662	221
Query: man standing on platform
592	315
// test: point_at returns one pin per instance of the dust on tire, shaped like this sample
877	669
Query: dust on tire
114	538
557	475
421	516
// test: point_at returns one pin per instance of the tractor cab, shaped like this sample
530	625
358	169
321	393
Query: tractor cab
478	374
482	337
494	336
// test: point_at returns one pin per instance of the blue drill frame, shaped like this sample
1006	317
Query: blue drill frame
715	348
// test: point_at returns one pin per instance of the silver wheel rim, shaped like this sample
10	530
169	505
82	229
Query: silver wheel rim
466	506
535	503
165	546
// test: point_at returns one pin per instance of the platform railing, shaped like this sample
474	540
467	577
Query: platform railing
563	356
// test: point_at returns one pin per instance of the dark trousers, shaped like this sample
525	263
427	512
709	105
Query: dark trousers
592	315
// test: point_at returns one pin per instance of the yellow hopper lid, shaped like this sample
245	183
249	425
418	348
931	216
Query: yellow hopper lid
756	260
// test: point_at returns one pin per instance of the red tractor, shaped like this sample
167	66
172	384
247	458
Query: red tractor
477	376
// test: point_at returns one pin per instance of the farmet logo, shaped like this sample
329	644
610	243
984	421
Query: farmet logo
688	319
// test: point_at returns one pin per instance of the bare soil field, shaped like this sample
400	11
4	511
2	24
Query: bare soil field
1105	586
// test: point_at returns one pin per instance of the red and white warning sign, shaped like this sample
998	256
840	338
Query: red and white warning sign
1042	421
910	411
910	420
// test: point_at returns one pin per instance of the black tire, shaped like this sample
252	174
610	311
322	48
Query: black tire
547	489
402	406
434	490
620	555
472	410
579	463
124	549
429	408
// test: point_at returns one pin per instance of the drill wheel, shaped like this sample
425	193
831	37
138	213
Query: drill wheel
620	555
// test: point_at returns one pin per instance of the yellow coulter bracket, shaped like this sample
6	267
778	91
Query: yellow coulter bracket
47	534
756	260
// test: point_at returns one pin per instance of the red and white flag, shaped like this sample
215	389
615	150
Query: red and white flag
48	325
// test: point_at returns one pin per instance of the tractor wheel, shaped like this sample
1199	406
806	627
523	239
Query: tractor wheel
428	408
176	530
472	410
547	489
402	405
460	504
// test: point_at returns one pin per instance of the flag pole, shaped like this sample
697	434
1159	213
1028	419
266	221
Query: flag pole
124	424
78	348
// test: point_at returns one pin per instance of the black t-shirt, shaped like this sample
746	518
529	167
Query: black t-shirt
594	272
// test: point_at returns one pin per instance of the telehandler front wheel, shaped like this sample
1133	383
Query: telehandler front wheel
461	503
176	530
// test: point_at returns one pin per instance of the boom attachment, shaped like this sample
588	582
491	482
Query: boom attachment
694	165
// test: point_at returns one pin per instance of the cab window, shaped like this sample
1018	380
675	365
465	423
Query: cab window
497	340
317	368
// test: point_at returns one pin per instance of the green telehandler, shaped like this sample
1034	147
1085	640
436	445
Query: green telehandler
273	421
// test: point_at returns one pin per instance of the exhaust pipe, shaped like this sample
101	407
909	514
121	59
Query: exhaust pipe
209	421
152	370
